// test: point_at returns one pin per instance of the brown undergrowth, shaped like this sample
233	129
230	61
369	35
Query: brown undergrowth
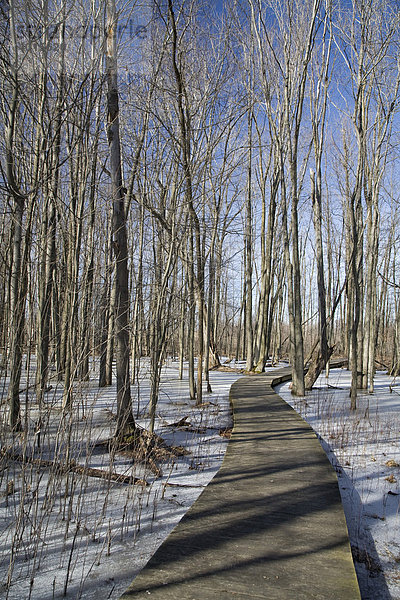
144	447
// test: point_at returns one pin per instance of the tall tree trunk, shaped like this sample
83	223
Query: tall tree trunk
45	303
355	318
370	298
182	332
298	388
138	319
249	254
266	316
323	353
125	420
318	101
106	308
45	298
87	301
78	178
185	144
17	310
17	279
191	319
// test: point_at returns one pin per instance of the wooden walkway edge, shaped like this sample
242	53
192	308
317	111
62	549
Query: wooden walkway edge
269	525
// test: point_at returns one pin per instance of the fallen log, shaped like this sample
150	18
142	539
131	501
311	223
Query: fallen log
73	467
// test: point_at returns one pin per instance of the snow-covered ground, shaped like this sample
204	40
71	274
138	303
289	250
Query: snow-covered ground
364	447
71	535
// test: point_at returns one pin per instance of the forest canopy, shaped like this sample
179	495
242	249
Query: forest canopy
198	180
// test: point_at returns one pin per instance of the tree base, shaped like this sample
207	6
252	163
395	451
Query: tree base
146	448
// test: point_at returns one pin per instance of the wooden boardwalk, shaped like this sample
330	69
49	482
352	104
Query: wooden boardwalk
269	525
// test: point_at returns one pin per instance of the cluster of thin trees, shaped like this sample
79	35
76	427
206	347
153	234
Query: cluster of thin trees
178	180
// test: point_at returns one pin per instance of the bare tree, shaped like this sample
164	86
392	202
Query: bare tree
125	420
319	101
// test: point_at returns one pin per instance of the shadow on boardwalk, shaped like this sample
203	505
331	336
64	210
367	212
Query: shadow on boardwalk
269	525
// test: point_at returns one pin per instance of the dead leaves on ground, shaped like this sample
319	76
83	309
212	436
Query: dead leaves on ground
391	479
226	433
392	463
